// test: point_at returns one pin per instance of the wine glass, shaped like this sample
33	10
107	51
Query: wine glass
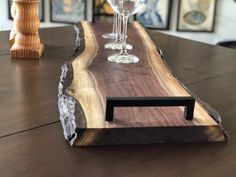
117	43
114	29
125	8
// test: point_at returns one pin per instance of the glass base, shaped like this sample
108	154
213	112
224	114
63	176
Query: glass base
109	35
123	58
117	46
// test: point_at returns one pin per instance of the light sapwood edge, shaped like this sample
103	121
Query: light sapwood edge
83	86
169	82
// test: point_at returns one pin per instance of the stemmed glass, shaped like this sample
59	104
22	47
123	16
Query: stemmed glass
125	8
117	43
114	29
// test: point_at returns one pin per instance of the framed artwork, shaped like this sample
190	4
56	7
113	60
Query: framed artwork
155	14
67	11
102	11
196	15
41	10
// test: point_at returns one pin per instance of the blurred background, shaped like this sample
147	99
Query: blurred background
208	21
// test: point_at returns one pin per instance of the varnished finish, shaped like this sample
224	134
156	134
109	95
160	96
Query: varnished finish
43	152
30	81
24	39
95	79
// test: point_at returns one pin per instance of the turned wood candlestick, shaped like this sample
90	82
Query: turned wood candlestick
25	34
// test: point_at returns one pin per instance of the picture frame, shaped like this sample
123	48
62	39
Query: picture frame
155	14
196	16
102	11
41	10
67	11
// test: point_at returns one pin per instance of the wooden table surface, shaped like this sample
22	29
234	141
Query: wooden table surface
31	137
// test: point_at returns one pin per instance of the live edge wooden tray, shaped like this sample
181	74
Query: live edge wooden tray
150	105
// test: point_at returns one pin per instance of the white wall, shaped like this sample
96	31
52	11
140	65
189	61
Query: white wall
6	24
225	25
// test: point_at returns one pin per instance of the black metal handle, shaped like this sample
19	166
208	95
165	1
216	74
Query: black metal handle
112	102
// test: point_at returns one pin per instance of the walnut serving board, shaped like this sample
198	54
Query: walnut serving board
88	80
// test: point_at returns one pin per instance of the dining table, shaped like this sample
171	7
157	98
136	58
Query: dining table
31	135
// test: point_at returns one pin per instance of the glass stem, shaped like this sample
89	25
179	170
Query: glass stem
118	36
115	24
124	35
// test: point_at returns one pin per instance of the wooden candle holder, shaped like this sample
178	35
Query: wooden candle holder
24	38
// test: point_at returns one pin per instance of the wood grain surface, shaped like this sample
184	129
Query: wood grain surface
32	145
95	79
29	88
